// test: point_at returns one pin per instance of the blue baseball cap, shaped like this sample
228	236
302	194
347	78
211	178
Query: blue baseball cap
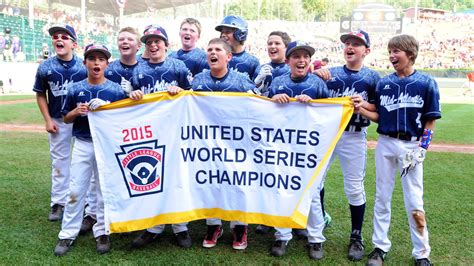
66	28
90	48
359	34
154	31
299	45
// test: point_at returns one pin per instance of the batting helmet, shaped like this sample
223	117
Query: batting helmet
237	23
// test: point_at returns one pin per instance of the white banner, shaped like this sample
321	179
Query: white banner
235	156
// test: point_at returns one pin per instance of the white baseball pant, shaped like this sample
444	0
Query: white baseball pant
60	153
388	159
83	167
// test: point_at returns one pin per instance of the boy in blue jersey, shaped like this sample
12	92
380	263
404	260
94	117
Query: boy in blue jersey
407	103
304	87
352	79
194	58
277	43
82	97
221	78
53	77
160	73
121	71
234	31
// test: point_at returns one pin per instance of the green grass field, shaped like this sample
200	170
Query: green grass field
16	97
28	238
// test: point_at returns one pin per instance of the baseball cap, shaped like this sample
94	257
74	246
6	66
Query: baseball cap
66	28
298	45
359	34
154	31
90	48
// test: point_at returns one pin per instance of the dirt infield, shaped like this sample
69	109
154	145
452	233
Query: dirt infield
433	147
18	101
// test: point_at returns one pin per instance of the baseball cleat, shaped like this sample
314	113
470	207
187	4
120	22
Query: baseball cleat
356	250
214	232
144	239
423	262
262	229
87	224
301	233
183	239
315	251
279	248
56	213
376	257
63	246
240	237
102	244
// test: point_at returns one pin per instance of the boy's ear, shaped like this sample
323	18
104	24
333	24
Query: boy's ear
74	45
367	51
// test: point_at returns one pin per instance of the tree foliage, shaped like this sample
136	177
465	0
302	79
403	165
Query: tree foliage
325	10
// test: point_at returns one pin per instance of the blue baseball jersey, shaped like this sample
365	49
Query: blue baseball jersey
346	82
54	76
233	81
117	70
278	70
405	104
140	59
195	60
244	62
83	92
150	78
311	85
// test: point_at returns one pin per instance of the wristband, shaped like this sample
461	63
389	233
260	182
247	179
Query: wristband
426	138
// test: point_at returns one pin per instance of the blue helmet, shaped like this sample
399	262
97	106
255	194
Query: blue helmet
237	23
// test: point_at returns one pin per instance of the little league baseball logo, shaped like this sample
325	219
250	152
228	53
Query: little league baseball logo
142	167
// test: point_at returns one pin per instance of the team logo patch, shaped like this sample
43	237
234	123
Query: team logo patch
142	167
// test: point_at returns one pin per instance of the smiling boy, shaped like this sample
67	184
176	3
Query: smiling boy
52	80
304	87
193	57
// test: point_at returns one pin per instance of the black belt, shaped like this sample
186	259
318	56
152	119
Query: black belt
403	136
350	128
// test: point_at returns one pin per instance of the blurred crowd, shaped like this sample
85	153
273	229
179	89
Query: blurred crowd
440	45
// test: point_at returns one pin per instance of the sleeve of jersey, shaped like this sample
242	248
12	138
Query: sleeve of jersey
183	80
246	83
69	102
197	81
377	95
322	89
39	85
256	64
431	107
374	80
273	87
134	79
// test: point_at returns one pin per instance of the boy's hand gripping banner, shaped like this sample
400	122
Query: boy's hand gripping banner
235	156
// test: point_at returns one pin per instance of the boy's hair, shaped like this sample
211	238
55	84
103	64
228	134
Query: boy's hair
325	59
406	43
132	31
192	21
284	36
225	45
